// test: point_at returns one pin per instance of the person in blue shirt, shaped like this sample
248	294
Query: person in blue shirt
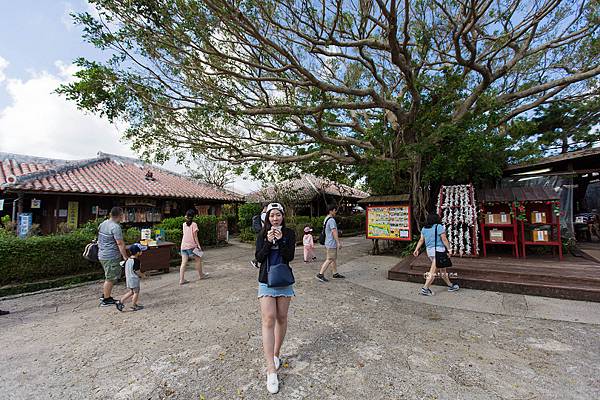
433	244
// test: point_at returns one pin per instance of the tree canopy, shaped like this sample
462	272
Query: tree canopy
356	82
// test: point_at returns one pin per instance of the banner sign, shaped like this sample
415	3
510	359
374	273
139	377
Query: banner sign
24	220
73	214
388	222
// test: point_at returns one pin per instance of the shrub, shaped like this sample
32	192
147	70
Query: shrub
247	235
43	257
246	212
132	235
207	229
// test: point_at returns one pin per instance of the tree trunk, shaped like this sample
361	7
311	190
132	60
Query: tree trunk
418	196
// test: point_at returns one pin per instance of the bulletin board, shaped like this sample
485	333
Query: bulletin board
389	222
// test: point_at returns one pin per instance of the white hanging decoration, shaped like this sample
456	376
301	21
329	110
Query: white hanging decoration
457	208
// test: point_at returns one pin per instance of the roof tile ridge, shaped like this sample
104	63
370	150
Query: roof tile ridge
62	168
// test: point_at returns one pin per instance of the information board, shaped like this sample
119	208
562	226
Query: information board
388	222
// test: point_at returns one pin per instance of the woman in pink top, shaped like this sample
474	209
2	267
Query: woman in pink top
190	248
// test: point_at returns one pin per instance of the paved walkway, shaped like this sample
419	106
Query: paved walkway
363	337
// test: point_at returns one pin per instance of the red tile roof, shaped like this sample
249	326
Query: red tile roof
105	174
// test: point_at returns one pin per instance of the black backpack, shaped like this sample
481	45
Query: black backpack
257	223
90	252
322	235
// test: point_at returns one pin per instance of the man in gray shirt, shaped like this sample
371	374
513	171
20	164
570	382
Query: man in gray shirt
111	250
332	244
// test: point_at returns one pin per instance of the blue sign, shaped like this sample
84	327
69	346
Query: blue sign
25	220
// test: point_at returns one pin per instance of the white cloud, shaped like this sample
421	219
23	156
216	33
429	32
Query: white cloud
3	65
39	122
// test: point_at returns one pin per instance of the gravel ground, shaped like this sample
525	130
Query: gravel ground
202	341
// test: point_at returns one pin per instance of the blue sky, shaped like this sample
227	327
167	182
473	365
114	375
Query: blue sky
37	33
38	44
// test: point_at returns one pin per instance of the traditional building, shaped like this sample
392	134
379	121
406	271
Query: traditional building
74	192
310	195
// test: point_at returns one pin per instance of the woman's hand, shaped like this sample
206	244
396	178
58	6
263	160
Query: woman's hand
278	234
270	235
416	253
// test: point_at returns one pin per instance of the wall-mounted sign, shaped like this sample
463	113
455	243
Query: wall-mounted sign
24	220
146	234
62	213
1	204
388	222
94	209
36	203
73	214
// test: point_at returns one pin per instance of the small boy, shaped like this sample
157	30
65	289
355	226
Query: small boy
132	277
309	245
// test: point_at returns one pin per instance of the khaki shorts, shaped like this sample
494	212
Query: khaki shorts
112	269
332	254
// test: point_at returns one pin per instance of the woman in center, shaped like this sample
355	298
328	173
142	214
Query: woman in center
275	245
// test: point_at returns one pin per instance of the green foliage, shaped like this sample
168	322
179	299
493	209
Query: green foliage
207	229
559	127
132	235
43	257
247	235
246	212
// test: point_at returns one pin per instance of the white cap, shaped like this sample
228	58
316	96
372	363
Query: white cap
275	206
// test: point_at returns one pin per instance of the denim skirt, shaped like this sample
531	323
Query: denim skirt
265	291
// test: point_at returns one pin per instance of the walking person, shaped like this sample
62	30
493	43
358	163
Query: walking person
133	274
309	245
433	235
190	248
258	221
332	245
111	251
275	245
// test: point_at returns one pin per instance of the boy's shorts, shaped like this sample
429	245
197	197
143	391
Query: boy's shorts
112	269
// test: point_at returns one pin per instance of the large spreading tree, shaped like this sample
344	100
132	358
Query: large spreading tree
369	83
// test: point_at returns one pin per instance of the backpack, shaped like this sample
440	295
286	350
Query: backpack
256	223
322	235
90	252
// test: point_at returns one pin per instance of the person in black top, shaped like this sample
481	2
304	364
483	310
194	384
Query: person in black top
275	244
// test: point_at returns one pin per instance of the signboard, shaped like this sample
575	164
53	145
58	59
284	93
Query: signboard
388	222
1	204
24	220
146	234
36	203
72	214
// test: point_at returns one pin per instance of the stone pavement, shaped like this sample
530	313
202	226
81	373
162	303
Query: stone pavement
363	337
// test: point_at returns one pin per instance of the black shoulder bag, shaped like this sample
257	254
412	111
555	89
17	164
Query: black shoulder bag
322	235
442	259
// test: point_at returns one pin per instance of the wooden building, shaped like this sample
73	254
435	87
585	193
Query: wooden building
310	195
59	192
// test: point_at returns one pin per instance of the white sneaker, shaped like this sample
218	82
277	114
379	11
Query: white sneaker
272	383
277	362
